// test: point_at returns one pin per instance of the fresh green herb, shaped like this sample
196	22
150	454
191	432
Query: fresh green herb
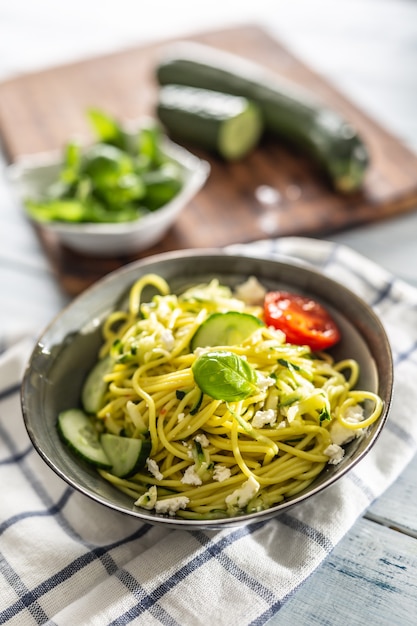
203	466
118	178
224	376
288	364
106	128
324	415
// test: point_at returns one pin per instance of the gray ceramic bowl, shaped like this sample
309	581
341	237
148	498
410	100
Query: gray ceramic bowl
68	347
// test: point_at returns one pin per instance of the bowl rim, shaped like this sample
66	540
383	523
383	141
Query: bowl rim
249	518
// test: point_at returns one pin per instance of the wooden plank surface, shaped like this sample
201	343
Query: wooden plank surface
375	563
40	111
369	578
396	508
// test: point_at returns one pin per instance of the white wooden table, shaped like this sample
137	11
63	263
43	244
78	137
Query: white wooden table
368	48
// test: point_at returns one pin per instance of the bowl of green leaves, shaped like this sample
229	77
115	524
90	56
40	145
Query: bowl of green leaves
118	195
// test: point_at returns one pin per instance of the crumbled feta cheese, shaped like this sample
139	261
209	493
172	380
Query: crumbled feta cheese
342	435
354	414
167	339
164	308
148	499
291	413
251	291
147	344
171	505
180	417
200	350
261	418
264	381
335	453
240	497
191	477
221	473
202	440
154	469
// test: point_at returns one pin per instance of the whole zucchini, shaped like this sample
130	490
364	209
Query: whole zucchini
287	111
220	122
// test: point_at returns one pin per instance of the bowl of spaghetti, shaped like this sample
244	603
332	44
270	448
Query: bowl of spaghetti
208	389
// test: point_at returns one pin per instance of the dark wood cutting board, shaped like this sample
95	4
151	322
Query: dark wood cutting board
40	111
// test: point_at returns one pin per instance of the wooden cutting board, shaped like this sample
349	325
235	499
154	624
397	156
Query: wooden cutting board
271	193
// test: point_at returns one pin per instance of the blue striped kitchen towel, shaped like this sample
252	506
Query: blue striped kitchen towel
65	560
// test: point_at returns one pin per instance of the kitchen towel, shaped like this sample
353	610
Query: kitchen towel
66	560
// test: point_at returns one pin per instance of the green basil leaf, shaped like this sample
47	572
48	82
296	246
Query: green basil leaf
72	162
162	185
149	142
106	128
223	375
105	164
56	210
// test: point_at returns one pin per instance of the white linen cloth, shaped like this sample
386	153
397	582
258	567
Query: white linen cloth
66	560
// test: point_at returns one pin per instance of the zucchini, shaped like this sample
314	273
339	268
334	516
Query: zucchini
77	431
288	112
223	123
225	329
194	409
127	455
95	387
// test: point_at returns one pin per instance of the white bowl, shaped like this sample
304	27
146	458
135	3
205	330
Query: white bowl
33	173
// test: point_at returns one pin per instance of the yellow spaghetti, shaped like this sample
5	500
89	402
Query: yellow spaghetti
212	458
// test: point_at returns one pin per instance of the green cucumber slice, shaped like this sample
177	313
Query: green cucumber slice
224	123
127	455
225	329
77	430
94	386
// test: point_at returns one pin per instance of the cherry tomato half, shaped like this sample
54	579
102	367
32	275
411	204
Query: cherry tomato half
303	320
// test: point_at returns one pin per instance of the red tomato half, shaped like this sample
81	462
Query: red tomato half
303	320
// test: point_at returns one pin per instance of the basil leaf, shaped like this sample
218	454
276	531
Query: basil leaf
56	210
106	128
72	162
224	376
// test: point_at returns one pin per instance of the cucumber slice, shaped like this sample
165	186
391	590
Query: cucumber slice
225	329
127	455
227	124
94	386
77	430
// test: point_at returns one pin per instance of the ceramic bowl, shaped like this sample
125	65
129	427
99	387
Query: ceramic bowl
68	347
31	174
